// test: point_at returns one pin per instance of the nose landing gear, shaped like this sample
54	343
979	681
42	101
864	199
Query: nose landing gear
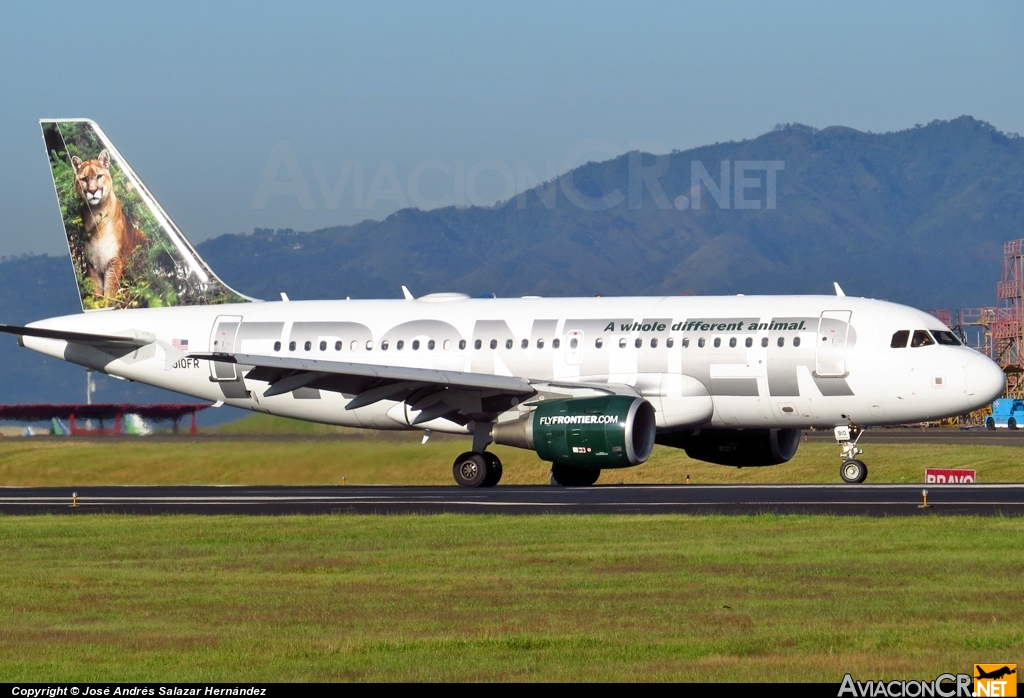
853	470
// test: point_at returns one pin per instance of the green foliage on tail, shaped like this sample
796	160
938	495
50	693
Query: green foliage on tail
163	269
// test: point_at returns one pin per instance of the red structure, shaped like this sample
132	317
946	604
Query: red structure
1007	337
998	331
101	413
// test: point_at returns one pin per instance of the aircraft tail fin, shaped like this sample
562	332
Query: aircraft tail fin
126	250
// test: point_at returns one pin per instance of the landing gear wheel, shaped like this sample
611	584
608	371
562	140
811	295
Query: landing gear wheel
567	476
1011	424
493	469
853	472
990	424
471	469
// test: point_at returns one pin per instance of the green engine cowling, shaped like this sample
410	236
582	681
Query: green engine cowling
616	431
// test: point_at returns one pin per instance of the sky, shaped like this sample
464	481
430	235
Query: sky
304	116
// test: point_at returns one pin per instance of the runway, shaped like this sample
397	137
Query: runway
870	500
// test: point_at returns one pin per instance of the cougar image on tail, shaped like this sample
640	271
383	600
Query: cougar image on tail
111	236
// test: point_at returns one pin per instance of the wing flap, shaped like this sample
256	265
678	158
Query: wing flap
274	369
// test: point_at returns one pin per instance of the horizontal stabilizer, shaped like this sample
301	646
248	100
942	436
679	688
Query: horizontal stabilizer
136	339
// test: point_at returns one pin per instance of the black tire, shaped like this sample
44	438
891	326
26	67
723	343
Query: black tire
471	469
990	424
853	472
493	469
567	476
1011	424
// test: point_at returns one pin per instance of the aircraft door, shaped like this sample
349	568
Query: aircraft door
833	331
222	340
573	347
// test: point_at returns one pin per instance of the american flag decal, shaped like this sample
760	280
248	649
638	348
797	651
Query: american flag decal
181	344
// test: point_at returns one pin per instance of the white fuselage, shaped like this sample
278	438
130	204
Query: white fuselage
717	362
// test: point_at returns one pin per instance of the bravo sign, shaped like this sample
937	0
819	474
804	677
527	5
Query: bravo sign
946	476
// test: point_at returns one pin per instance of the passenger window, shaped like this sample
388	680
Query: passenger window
796	341
732	342
291	346
431	345
384	345
622	343
718	342
447	345
654	342
540	343
764	341
354	345
670	342
415	345
494	344
749	342
899	339
508	343
686	342
700	342
337	345
399	345
462	344
782	341
555	343
598	342
525	344
921	339
638	343
277	346
307	346
323	345
369	344
477	344
946	337
573	343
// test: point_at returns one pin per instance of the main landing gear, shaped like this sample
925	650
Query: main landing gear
853	471
478	468
472	469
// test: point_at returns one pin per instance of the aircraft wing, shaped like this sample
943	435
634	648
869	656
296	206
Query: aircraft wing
135	340
459	396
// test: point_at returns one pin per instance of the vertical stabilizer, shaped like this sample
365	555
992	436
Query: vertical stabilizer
126	251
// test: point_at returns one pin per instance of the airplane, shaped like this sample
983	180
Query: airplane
588	384
995	673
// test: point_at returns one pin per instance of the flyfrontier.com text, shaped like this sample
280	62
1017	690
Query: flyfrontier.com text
579	419
944	686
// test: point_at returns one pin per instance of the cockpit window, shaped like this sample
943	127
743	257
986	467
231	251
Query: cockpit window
899	339
946	337
921	339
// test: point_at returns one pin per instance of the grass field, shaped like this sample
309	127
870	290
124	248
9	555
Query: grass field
370	458
105	598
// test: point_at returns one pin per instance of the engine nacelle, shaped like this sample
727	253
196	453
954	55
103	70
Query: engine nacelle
739	447
616	431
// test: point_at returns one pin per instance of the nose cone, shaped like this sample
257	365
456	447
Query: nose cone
985	381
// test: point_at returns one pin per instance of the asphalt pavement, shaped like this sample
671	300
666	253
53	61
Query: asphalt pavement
838	499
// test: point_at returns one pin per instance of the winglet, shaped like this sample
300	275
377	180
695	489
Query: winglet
839	291
408	295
